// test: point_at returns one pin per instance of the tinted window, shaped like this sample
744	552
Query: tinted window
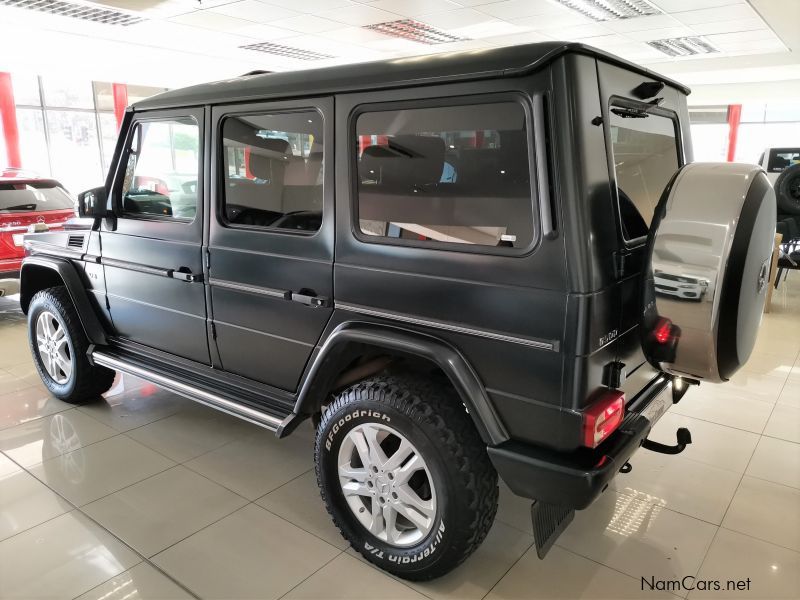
645	158
455	174
163	170
273	170
33	196
781	158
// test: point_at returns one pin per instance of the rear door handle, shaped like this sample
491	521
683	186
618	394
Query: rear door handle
309	299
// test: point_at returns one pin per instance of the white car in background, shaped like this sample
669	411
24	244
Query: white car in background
775	161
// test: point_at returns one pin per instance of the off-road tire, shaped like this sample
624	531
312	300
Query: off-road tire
87	382
431	416
786	189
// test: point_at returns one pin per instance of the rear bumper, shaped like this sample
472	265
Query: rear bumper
10	267
576	479
9	276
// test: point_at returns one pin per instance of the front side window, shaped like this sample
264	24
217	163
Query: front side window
455	174
273	170
645	152
162	173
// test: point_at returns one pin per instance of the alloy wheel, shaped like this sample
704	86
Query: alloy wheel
387	484
55	350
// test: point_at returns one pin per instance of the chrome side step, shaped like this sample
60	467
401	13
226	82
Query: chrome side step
198	395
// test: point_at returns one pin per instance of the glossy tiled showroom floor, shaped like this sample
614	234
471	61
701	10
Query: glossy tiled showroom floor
147	495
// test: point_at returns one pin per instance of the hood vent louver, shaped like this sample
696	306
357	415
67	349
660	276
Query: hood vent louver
415	31
286	51
84	12
75	241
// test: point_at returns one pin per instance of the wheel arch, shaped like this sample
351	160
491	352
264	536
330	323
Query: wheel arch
353	339
39	273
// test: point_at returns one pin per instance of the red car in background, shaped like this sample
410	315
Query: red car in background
25	200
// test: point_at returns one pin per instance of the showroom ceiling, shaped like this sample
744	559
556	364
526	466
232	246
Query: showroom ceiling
176	42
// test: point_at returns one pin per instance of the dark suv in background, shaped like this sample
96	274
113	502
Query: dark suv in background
26	201
448	263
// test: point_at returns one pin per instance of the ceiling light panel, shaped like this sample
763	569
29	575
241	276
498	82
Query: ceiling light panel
683	46
610	10
286	51
415	31
76	11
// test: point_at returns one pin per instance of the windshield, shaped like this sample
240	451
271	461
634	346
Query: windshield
33	196
645	153
782	158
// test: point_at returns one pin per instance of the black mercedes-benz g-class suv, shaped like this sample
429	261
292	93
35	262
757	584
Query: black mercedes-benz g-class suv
458	266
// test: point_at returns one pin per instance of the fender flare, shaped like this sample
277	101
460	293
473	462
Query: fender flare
357	334
68	274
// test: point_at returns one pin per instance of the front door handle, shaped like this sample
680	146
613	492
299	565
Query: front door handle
307	297
184	274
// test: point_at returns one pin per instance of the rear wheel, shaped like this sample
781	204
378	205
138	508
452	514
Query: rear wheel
405	476
59	344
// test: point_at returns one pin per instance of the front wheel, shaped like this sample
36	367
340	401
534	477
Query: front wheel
59	344
405	475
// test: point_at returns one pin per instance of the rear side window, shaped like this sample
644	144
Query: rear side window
163	169
33	196
273	170
455	174
782	158
645	152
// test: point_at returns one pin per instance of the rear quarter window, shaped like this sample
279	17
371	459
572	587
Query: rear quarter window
456	175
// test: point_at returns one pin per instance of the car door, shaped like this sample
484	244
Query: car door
152	251
271	236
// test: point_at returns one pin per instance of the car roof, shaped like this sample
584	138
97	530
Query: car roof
13	175
386	74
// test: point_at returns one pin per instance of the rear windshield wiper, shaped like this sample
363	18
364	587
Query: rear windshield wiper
20	207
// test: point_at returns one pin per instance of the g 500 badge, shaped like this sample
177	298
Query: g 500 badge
604	339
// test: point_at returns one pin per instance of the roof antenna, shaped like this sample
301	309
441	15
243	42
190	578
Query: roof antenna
256	72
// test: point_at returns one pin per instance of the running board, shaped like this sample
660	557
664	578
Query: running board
247	413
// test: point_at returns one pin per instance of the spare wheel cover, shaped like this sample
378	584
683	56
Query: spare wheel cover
705	283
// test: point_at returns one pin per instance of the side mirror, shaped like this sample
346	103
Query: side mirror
92	203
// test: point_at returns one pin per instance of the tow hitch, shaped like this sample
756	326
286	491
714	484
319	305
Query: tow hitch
684	439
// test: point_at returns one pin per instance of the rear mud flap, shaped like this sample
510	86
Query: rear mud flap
549	522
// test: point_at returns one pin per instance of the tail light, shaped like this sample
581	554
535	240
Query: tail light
603	417
663	333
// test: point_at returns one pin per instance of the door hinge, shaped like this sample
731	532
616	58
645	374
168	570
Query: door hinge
213	330
208	259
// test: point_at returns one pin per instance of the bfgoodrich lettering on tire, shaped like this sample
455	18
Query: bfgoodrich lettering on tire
405	476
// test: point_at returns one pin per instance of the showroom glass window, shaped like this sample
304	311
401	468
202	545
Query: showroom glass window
162	171
272	171
646	155
67	127
446	175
